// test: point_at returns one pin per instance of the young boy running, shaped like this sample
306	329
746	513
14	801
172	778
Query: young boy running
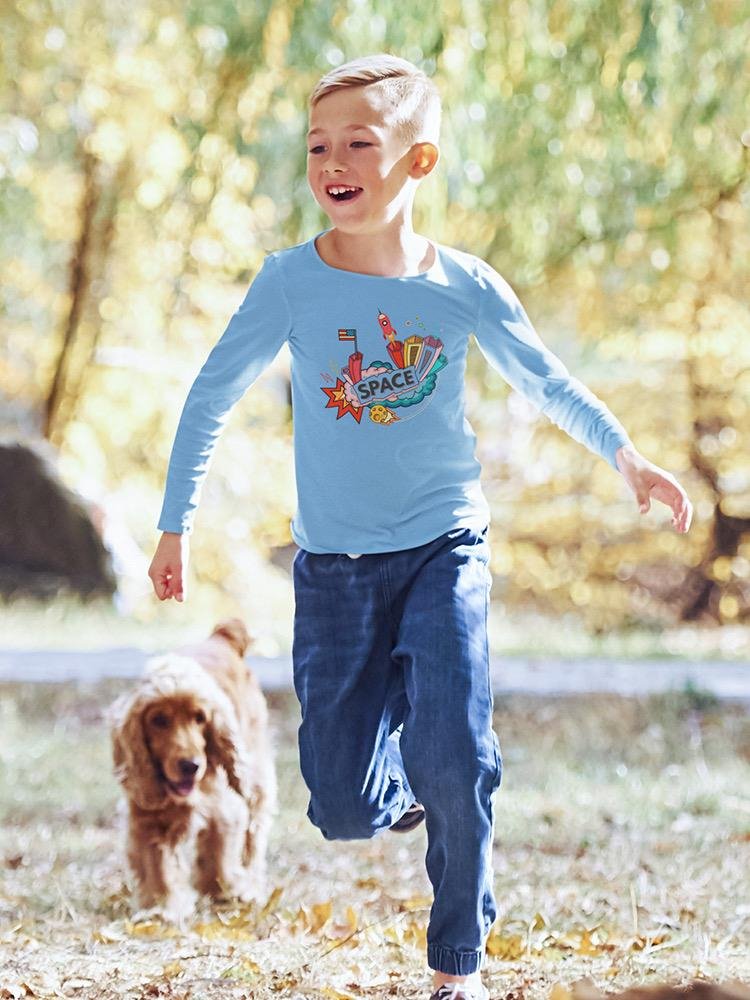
391	579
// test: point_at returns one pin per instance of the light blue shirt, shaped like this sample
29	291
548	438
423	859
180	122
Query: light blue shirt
384	455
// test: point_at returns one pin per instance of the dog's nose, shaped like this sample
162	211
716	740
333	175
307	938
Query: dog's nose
188	767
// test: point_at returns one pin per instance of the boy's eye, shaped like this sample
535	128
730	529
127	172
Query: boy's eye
357	142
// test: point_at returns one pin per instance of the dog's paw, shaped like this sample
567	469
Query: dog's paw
177	909
249	889
147	915
179	915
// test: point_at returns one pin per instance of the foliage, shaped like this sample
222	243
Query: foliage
594	152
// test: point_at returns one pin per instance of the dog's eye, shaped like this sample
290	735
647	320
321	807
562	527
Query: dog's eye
200	716
160	720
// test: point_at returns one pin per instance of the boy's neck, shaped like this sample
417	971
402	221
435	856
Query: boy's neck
395	252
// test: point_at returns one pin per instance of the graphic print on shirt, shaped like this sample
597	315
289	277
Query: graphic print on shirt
404	383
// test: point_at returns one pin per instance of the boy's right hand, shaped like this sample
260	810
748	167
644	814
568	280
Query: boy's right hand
168	569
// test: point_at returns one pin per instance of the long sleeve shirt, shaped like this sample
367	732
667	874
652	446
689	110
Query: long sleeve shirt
384	455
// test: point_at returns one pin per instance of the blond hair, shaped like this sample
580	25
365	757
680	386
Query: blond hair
413	97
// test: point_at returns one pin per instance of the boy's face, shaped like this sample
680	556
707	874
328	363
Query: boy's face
353	143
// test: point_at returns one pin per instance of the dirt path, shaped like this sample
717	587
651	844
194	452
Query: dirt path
509	674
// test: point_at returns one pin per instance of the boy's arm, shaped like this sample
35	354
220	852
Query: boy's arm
168	569
249	344
510	343
647	480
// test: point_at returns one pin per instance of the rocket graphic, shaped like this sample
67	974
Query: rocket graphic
395	347
407	380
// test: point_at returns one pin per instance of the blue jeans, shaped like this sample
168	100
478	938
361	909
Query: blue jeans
392	674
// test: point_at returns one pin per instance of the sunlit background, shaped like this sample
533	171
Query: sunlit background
594	152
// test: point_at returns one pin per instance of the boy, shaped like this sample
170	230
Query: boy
391	577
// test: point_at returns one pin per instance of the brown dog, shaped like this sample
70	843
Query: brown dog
191	748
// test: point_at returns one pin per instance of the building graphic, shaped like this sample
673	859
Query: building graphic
384	387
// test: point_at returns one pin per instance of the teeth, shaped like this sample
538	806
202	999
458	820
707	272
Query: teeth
340	189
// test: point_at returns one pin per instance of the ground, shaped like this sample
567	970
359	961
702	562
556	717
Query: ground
622	854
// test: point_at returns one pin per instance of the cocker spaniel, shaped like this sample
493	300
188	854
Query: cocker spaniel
192	750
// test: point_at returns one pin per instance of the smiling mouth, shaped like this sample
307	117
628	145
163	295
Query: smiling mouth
343	192
182	788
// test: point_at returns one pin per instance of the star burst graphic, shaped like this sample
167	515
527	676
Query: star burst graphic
337	400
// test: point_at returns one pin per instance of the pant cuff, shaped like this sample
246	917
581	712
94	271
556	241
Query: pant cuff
454	963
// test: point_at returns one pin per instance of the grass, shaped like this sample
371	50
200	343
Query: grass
70	624
622	854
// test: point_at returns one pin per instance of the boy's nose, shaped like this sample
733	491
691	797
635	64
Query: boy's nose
334	162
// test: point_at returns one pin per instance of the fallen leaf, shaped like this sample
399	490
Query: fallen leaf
344	930
110	934
321	914
272	901
244	970
368	883
150	928
218	930
283	982
394	932
415	902
559	992
505	946
329	991
415	933
586	946
643	942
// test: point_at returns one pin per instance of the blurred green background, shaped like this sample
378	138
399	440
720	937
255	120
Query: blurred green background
594	152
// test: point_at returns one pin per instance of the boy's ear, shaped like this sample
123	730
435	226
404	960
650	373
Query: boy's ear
424	157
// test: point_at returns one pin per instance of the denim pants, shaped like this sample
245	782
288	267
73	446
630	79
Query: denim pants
392	675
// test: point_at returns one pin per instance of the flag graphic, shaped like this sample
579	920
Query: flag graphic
347	334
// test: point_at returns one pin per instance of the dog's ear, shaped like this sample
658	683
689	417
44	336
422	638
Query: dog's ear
225	747
235	633
134	766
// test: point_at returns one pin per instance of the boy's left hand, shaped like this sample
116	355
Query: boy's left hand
647	480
